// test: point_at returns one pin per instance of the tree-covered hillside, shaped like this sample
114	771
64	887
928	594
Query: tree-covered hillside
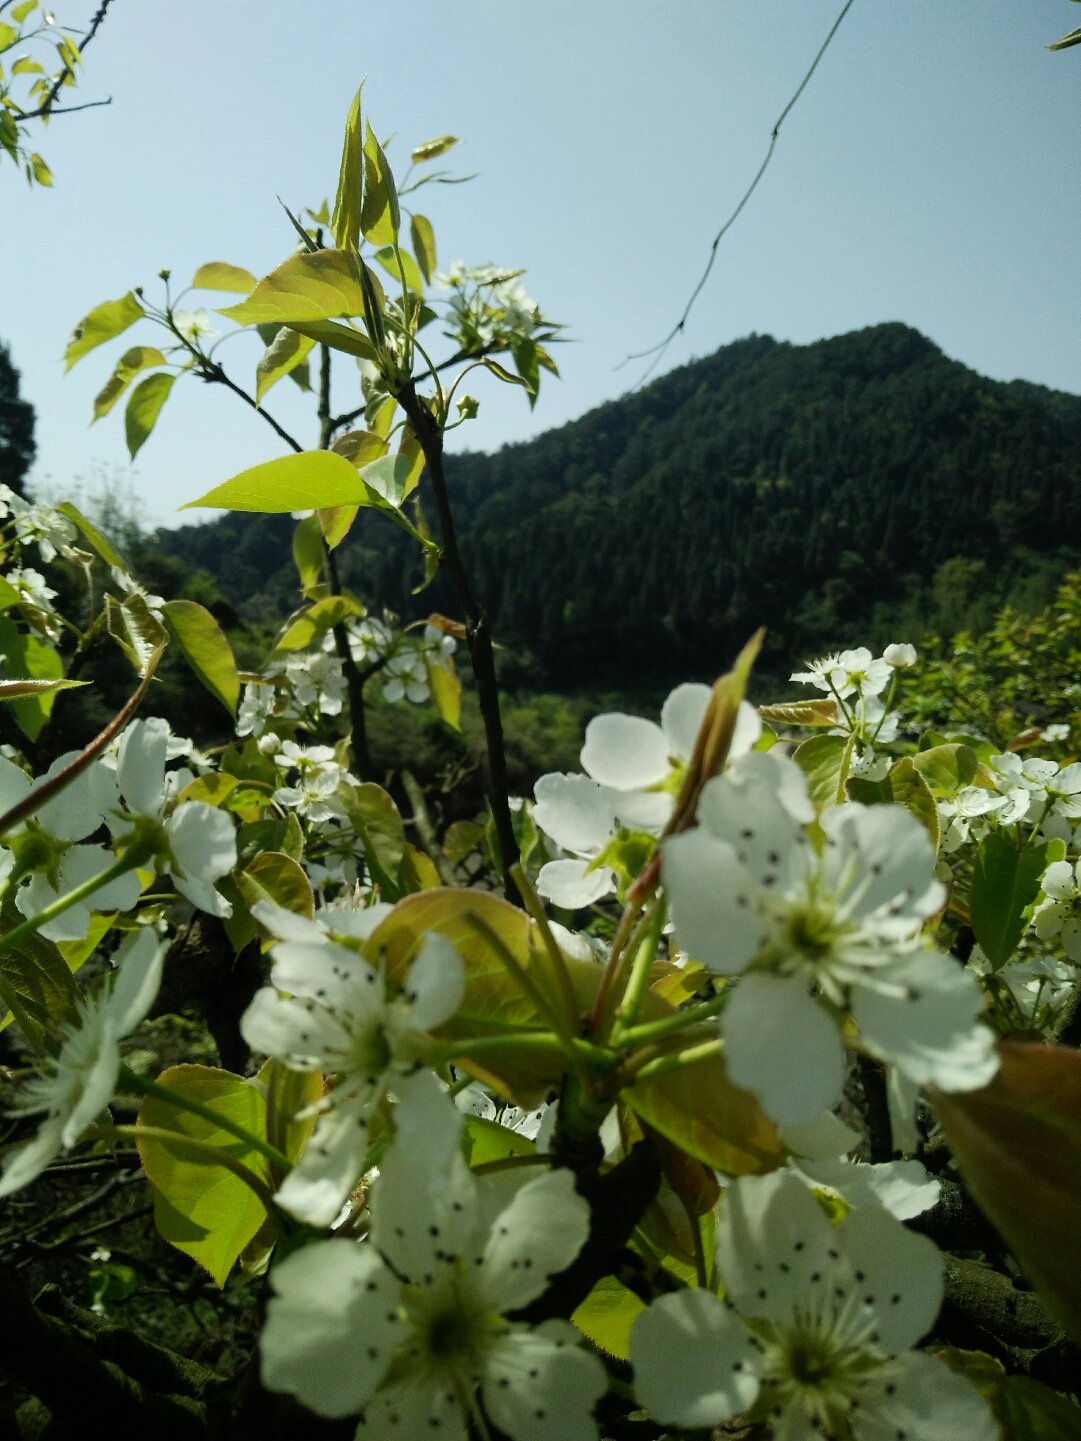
845	489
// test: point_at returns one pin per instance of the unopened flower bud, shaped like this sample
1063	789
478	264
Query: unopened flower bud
899	656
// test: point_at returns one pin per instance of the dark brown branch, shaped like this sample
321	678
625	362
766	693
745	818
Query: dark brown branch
46	107
213	374
478	632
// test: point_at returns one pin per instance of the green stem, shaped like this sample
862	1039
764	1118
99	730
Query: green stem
201	1149
120	867
532	903
637	1070
535	1042
650	1031
140	1086
512	1163
641	969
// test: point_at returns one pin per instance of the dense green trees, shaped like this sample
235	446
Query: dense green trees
17	447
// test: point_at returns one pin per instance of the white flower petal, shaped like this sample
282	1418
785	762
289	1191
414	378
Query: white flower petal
319	1184
202	840
681	718
572	885
774	1246
625	752
26	1162
331	1326
435	983
140	765
693	1362
929	1031
711	898
542	1386
305	1039
825	1138
899	1273
903	1188
783	1046
139	961
921	1397
574	811
538	1235
418	1406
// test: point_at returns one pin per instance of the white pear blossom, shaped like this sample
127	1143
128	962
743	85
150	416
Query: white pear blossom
75	1086
408	1330
969	814
816	1332
318	775
820	1157
900	656
818	936
1058	916
316	679
327	1010
633	767
41	525
192	324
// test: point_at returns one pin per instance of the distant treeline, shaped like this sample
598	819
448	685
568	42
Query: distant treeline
863	488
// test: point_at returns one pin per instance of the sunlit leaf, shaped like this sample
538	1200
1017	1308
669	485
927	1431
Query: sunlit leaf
140	357
379	829
1018	1144
283	355
308	552
27	655
380	219
15	689
103	323
422	239
801	713
217	275
205	647
307	481
201	1208
431	149
91	534
144	407
446	687
345	220
822	760
315	620
322	285
1005	882
277	878
138	633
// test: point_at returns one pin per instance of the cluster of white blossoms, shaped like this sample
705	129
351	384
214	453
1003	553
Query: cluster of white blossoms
633	769
815	1333
821	932
856	680
408	1329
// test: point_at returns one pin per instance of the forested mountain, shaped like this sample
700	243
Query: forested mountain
848	490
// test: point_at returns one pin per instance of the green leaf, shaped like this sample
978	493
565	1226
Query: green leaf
138	633
275	877
430	149
1018	1144
217	275
103	323
25	66
139	357
504	374
201	1208
315	620
422	239
380	219
389	477
1025	1409
283	355
213	789
8	36
308	551
485	1141
90	533
802	713
388	258
378	826
204	646
706	1115
822	759
946	768
144	407
322	285
348	199
29	655
308	481
1073	38
15	689
337	337
446	688
20	12
40	171
1005	882
607	1315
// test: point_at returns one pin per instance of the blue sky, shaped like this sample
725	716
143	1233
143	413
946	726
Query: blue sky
928	175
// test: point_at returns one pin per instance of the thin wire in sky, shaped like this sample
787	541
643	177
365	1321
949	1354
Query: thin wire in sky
658	350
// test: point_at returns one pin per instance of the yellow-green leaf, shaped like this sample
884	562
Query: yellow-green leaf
200	1207
801	713
308	481
1018	1144
25	66
308	552
213	789
380	219
20	12
285	352
104	322
446	688
422	239
138	633
321	285
92	534
16	689
29	655
709	1117
389	256
275	877
139	357
379	829
41	172
144	407
822	759
345	220
430	149
316	619
204	646
336	522
217	275
607	1315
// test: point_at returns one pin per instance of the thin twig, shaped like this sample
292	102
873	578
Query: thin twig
658	350
46	107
